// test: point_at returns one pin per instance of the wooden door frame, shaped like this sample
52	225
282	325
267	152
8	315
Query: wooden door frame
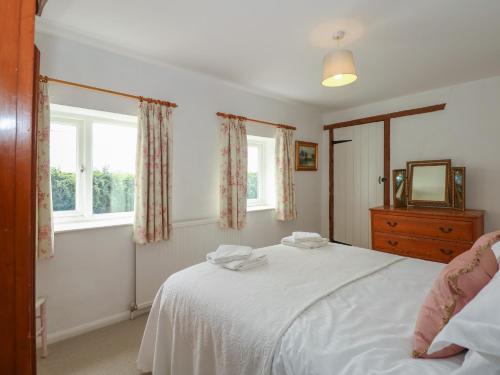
386	119
17	197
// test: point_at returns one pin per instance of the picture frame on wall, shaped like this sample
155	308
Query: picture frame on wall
306	156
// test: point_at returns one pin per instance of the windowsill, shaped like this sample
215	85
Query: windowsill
260	208
72	226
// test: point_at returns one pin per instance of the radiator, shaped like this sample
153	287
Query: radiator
188	245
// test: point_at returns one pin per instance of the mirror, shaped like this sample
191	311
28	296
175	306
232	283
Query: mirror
458	174
429	183
399	187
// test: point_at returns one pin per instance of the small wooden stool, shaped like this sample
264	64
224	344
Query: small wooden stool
41	304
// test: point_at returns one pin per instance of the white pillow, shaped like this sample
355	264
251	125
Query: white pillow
479	364
477	325
496	250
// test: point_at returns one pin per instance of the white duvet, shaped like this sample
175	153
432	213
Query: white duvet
334	310
364	328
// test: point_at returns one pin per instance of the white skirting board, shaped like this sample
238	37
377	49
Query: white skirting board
84	328
189	244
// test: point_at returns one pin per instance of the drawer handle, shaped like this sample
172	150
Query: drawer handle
392	243
446	230
446	251
392	224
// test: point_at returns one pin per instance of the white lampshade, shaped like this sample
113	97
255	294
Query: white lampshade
338	68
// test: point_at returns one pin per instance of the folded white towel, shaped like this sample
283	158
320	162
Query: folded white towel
246	264
229	253
231	250
306	236
221	260
289	241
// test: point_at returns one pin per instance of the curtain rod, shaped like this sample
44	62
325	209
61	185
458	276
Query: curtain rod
228	115
140	98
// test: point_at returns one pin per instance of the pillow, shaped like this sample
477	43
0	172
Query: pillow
456	285
477	326
489	239
479	363
496	250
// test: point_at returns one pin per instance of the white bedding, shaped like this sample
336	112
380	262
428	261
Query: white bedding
364	328
207	320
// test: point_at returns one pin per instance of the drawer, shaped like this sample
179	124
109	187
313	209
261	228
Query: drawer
440	251
425	227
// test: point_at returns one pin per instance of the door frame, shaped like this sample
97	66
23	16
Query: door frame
386	119
17	187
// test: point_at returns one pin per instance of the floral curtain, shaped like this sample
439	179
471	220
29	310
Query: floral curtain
233	173
153	184
44	226
285	208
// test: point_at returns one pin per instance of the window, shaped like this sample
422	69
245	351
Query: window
260	183
64	163
92	160
254	185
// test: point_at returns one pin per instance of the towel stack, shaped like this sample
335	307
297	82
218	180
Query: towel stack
305	240
236	258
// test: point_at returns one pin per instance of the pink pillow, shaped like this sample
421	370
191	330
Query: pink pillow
456	285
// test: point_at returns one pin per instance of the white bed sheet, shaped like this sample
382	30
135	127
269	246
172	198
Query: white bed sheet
210	320
364	328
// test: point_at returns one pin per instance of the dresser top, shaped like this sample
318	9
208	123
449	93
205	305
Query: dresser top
448	212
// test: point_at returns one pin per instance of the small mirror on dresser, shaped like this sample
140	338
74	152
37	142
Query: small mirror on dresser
399	187
458	174
429	183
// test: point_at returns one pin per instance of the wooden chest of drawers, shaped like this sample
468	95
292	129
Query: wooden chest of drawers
436	234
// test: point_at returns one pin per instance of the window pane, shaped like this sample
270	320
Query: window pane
113	156
63	165
253	173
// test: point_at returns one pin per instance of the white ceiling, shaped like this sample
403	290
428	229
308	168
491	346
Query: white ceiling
277	46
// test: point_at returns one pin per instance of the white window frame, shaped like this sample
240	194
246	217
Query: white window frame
260	200
266	178
79	125
84	119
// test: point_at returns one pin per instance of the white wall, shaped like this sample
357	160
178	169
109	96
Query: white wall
90	279
467	131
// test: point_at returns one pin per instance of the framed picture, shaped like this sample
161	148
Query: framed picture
306	156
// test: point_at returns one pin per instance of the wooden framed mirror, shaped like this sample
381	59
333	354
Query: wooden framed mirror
429	183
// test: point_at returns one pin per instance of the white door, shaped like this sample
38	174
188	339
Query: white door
357	168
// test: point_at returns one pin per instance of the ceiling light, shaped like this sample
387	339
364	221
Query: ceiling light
338	66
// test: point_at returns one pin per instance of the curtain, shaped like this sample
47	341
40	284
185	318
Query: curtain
285	206
44	226
153	183
233	173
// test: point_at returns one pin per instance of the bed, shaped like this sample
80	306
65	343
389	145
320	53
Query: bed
335	310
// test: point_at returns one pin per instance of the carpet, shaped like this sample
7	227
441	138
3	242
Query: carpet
107	351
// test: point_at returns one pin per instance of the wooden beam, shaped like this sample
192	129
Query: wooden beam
387	162
330	184
385	116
